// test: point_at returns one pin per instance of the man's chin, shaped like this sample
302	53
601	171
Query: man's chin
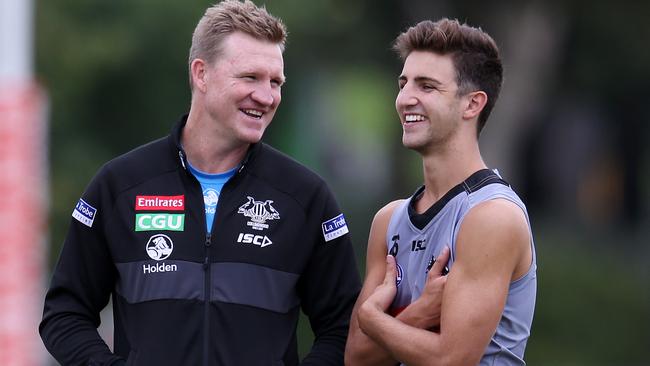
252	138
413	145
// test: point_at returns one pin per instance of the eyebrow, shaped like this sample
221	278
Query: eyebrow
421	79
282	78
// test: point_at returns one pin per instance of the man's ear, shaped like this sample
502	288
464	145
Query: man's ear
475	103
198	70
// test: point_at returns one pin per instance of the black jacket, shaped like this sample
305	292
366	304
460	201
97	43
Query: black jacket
139	236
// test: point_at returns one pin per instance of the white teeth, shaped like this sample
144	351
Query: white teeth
253	112
413	117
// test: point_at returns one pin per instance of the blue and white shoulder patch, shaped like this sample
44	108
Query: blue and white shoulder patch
334	228
84	213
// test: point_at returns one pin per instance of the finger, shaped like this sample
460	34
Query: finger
441	262
391	271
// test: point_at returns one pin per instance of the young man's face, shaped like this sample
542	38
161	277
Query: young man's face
243	87
427	102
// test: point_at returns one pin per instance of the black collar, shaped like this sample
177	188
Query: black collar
475	181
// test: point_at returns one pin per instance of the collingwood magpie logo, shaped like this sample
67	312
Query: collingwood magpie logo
430	264
259	212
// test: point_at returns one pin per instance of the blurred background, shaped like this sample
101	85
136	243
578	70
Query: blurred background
569	132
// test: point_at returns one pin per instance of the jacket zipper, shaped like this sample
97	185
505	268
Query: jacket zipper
206	305
206	262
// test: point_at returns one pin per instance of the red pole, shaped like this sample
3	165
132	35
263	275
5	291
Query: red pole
23	189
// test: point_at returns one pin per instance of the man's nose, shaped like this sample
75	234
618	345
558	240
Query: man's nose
263	95
405	98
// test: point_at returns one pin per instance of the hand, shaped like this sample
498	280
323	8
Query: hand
381	298
384	294
427	308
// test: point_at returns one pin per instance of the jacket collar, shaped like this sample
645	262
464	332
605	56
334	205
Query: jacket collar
179	152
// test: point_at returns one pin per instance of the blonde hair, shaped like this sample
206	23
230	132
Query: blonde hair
227	17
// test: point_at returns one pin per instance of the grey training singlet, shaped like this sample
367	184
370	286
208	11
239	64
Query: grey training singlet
416	240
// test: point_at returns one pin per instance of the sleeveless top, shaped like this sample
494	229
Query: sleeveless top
415	240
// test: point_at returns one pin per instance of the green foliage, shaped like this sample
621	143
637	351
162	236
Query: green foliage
592	305
116	74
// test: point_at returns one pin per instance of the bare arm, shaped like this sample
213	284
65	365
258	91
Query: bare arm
492	249
361	350
424	313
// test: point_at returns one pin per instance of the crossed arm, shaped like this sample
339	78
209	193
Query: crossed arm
424	313
492	249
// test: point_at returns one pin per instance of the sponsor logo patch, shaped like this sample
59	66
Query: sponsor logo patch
259	212
84	213
159	221
167	203
418	245
159	247
210	199
395	248
334	228
159	267
259	240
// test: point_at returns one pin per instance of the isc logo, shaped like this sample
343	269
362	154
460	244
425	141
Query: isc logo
258	240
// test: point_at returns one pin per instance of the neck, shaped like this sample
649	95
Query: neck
207	149
446	168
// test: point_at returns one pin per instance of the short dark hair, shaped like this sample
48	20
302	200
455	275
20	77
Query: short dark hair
474	53
231	16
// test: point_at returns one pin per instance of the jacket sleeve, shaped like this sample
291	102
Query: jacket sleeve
81	285
330	285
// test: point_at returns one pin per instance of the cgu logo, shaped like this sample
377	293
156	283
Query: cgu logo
258	240
159	221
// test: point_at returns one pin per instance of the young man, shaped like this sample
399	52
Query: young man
209	241
464	216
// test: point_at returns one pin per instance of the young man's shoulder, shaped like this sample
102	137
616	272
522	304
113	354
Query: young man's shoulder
382	219
498	215
386	212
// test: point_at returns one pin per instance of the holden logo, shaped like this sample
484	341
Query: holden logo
159	247
210	197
